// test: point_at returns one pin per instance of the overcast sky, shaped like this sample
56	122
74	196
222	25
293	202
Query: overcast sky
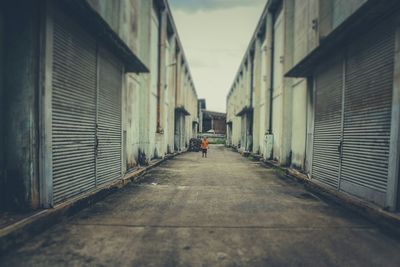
215	35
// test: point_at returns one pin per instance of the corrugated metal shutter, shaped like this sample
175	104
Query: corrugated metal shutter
328	123
368	104
74	110
109	159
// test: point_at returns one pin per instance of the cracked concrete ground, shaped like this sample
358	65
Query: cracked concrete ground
221	211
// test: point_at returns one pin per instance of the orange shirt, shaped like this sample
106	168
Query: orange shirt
204	144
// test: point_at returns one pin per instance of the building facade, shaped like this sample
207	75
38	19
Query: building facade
214	121
318	90
89	91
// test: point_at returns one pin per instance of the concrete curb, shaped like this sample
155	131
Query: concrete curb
17	233
386	221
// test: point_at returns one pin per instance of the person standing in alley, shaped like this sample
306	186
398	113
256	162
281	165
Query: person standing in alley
204	146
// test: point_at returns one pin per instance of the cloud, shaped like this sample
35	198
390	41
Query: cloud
201	5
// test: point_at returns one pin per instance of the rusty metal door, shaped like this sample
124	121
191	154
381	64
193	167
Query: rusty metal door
353	116
367	114
109	120
73	110
328	123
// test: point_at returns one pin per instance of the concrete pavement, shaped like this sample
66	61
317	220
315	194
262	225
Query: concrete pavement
221	211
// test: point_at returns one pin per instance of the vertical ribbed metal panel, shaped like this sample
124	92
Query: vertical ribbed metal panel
368	105
109	112
328	123
74	110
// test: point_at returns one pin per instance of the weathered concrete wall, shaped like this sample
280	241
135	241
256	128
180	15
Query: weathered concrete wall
332	13
142	116
299	125
277	97
129	22
305	28
132	126
167	97
256	96
136	91
268	48
171	84
138	25
342	9
123	17
21	102
154	72
263	97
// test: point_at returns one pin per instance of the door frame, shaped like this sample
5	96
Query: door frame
393	185
45	107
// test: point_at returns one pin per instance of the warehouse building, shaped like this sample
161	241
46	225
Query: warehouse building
318	90
89	91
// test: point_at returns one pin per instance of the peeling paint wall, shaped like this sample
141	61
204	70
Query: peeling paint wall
129	22
154	67
144	79
131	113
136	87
299	125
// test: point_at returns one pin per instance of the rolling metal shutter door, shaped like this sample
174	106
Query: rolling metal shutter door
74	110
368	104
109	159
328	124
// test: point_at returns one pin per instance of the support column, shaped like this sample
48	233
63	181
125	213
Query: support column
257	94
286	137
269	75
393	190
162	70
269	35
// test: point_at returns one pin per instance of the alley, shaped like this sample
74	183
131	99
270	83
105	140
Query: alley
221	211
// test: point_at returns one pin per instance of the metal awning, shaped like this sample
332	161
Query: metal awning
102	30
244	110
182	110
361	21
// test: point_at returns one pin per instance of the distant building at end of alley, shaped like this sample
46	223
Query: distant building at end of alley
211	121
